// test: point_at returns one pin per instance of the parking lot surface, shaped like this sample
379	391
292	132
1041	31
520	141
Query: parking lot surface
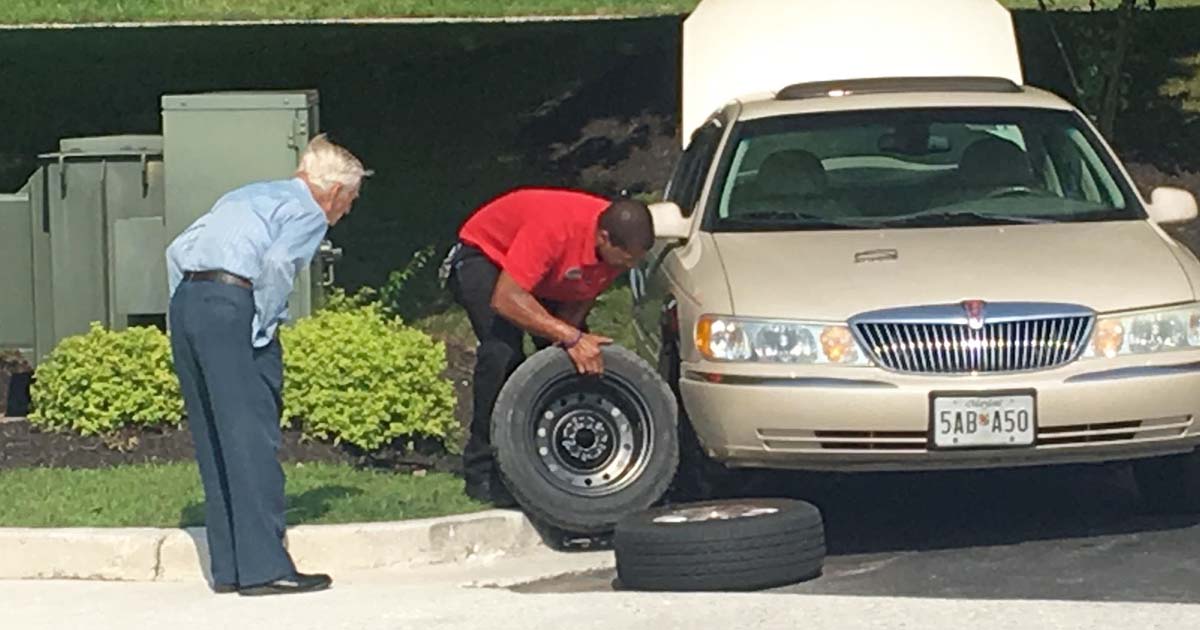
1073	533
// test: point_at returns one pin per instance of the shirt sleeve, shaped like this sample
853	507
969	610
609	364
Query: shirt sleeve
532	255
174	273
293	248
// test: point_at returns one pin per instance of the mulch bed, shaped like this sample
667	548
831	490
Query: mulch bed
23	446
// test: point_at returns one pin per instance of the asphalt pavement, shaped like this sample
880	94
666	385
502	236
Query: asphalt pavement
462	596
1068	533
1064	548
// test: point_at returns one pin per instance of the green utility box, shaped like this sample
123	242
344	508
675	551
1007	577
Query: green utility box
82	243
41	281
85	240
102	205
217	142
17	323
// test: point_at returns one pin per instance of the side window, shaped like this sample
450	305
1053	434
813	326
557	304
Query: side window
687	183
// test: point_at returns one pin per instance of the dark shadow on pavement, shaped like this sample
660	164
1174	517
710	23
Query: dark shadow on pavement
870	513
302	508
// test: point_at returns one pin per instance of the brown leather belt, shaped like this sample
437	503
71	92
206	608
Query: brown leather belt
218	276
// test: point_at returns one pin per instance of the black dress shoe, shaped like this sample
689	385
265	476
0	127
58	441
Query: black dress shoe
300	583
222	589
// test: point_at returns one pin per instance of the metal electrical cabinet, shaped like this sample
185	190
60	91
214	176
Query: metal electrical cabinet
82	243
85	240
17	319
217	142
42	281
104	205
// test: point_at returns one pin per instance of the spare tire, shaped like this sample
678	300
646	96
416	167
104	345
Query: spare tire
582	452
734	545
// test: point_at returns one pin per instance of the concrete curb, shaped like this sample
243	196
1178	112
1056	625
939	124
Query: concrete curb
174	555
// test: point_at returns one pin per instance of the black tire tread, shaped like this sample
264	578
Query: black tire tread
738	545
724	564
572	514
735	555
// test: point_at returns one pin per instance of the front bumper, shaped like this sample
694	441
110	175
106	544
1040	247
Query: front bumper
871	419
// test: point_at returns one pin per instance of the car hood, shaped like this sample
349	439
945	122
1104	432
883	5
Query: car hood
832	276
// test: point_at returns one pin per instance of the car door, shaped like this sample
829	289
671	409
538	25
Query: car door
651	291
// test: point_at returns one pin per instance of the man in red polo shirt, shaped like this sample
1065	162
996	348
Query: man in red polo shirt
533	261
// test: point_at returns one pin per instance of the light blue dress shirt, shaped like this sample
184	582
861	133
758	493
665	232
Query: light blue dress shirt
265	232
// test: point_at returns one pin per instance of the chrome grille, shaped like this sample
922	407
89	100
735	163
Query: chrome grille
955	347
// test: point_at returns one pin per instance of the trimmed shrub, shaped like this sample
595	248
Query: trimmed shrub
104	381
355	375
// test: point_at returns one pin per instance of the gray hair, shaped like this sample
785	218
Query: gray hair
325	164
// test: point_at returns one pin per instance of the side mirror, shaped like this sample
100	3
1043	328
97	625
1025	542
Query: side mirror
1172	205
669	222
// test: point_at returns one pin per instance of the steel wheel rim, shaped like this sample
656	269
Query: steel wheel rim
592	436
715	512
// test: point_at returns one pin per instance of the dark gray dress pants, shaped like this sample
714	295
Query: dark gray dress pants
232	393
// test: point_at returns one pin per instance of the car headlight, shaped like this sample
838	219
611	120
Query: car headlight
1164	330
738	339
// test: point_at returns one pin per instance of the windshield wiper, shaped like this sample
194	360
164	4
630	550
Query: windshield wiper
780	218
942	218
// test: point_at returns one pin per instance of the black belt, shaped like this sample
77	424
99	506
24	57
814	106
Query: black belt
218	276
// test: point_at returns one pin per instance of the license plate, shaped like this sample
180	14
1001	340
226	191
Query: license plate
975	421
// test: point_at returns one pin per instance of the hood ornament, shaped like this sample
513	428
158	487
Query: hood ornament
975	313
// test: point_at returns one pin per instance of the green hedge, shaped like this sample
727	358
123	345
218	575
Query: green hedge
355	375
104	381
351	375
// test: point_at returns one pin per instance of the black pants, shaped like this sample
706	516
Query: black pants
232	392
501	350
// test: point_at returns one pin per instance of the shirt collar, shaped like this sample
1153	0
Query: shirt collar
588	256
306	196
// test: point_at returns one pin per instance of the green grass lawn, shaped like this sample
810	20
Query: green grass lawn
170	496
77	11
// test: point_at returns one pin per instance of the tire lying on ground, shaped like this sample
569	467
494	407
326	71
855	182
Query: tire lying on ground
582	452
733	545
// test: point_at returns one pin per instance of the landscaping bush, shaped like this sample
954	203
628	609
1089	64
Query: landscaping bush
103	381
355	375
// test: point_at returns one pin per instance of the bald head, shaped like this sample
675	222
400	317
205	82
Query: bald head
625	233
629	225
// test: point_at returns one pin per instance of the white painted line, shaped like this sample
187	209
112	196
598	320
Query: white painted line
516	19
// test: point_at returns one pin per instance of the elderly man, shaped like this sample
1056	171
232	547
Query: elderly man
231	273
533	261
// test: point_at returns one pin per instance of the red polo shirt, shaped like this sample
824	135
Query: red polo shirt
546	240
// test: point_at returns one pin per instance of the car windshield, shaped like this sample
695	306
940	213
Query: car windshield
916	168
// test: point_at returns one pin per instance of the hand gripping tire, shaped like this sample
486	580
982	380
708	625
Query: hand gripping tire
581	452
734	545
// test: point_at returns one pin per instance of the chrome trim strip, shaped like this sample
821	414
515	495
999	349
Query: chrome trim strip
997	312
841	440
1177	428
1140	371
784	381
